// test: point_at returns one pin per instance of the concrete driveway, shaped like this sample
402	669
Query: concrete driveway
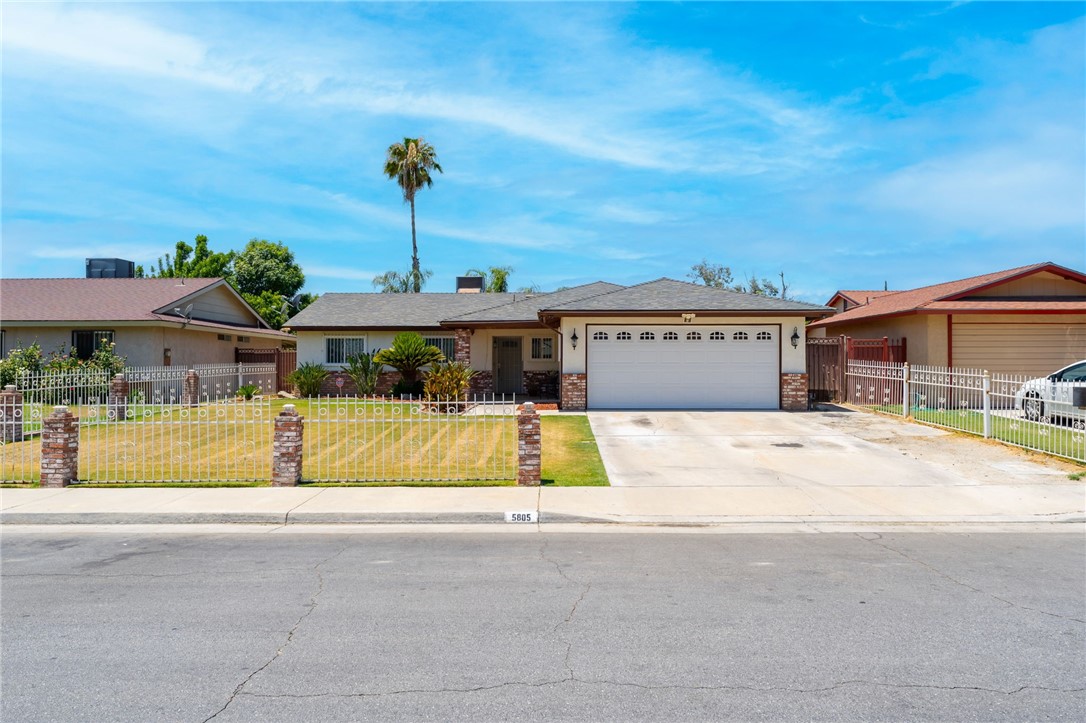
838	448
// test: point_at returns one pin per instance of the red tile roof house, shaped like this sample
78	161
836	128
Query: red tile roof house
658	345
1031	319
149	320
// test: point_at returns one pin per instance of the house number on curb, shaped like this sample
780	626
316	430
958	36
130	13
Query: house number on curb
528	516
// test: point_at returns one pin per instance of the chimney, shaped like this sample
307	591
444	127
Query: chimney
469	284
110	269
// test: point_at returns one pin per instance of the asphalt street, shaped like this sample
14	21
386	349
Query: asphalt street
138	626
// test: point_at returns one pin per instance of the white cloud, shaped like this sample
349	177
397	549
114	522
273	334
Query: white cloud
994	191
113	40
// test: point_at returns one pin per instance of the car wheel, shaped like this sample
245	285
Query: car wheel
1033	408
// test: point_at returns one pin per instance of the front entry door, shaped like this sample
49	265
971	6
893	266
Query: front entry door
508	365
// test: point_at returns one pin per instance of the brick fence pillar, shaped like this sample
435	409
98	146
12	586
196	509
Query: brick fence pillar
190	389
287	448
59	448
529	446
794	392
11	414
462	350
117	404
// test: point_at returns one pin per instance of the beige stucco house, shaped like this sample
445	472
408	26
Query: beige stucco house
1030	319
661	344
152	322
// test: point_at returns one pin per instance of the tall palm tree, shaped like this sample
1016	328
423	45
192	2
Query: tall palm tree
410	163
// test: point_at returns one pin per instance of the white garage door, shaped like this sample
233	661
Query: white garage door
683	367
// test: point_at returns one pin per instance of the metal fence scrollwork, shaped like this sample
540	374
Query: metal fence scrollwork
1018	409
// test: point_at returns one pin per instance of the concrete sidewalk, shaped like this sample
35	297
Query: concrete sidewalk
996	503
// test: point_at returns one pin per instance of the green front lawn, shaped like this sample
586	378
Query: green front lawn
570	455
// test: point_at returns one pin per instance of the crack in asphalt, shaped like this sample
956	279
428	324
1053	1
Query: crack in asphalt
572	611
876	539
643	686
310	607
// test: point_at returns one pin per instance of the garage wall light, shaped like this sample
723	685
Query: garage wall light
687	318
573	339
795	337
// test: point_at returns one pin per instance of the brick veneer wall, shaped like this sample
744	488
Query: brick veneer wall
574	391
385	382
463	346
482	383
794	392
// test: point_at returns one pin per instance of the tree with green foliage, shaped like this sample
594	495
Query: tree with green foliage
495	278
409	163
264	273
409	353
265	266
393	282
192	262
720	277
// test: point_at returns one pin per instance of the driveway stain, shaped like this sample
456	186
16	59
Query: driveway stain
642	421
787	444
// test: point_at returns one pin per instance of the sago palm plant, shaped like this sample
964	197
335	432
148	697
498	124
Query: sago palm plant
409	353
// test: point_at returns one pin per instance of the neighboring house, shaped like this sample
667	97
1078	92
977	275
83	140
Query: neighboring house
151	321
662	344
1031	319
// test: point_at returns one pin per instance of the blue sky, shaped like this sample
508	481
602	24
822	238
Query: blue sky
845	144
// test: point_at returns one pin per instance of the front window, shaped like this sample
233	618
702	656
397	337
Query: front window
338	348
86	343
542	347
447	345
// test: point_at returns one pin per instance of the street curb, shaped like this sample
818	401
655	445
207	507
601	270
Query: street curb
485	518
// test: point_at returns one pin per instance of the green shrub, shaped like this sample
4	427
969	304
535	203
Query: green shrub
308	378
409	353
21	360
363	371
404	388
448	382
248	391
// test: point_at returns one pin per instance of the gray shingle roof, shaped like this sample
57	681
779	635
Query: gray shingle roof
527	309
391	311
427	311
679	296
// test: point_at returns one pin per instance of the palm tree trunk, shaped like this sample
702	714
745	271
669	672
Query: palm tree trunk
416	276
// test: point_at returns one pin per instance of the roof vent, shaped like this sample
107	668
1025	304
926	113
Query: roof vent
469	284
110	269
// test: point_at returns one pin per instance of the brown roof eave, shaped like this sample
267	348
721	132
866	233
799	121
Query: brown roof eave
806	313
364	328
529	323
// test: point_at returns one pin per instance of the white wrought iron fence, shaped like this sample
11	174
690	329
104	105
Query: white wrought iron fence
216	381
20	446
208	440
352	439
1018	409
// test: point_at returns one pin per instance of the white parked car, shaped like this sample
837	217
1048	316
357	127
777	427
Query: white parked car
1052	396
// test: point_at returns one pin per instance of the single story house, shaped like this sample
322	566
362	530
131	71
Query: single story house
661	344
1030	319
152	322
